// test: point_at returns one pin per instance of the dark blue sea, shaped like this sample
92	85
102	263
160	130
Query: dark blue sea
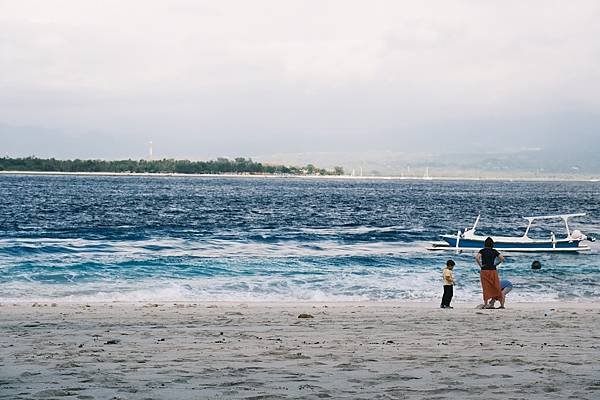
148	238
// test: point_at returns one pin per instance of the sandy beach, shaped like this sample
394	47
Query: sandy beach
353	350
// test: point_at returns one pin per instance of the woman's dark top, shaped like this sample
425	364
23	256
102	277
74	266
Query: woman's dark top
488	256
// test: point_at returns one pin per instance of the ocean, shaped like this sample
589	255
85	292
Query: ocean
148	238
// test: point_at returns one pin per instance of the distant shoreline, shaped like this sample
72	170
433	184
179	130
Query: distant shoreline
287	176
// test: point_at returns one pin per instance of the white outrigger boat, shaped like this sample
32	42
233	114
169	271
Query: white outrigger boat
470	240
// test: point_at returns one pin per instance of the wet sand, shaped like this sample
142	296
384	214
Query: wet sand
386	350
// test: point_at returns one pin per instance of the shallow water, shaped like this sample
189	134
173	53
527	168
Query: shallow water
94	238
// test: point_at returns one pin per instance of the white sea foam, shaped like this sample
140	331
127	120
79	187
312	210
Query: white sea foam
338	287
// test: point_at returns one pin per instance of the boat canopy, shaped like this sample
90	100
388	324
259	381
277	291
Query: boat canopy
564	217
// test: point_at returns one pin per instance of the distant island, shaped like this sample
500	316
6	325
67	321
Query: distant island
238	165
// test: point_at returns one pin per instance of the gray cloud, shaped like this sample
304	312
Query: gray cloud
202	79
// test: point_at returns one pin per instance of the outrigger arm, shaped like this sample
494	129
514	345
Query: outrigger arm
565	218
530	221
476	222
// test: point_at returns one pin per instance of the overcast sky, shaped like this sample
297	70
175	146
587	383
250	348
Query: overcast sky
240	78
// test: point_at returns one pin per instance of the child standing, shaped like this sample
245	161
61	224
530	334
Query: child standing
448	284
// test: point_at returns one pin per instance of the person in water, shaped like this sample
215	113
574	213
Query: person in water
488	259
448	284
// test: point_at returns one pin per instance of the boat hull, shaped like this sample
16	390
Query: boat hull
515	245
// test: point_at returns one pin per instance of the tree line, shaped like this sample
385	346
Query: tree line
238	165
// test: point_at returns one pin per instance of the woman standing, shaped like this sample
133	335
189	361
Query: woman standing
488	259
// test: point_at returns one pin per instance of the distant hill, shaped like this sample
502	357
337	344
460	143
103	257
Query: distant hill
528	163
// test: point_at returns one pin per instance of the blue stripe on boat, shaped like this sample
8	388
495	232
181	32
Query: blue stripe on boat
469	243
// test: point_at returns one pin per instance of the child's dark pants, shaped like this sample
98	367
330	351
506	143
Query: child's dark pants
447	297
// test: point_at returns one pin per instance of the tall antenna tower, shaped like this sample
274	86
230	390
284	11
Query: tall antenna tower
150	151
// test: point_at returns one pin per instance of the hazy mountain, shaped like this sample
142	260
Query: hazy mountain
518	163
